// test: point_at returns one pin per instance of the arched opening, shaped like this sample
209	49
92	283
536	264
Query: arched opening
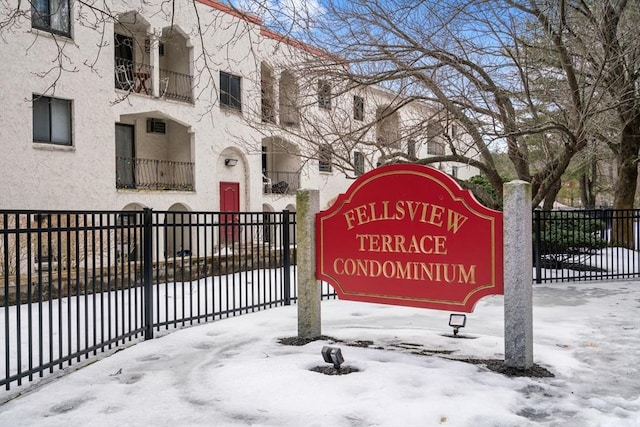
178	238
281	166
174	63
153	152
129	234
132	61
268	227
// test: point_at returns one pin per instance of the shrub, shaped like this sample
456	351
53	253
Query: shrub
570	233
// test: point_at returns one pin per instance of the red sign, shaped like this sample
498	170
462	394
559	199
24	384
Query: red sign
410	235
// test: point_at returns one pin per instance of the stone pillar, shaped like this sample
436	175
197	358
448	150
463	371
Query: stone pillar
307	206
155	64
518	276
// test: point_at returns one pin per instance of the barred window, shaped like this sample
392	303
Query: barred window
324	95
358	162
358	108
324	158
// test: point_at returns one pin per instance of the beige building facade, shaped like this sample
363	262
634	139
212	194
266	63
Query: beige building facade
198	108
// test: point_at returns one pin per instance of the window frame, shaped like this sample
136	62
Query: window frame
324	95
41	20
358	163
358	108
324	158
411	149
226	91
69	104
436	148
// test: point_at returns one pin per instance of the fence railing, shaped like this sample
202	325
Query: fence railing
176	85
138	77
154	174
596	244
281	182
73	284
133	76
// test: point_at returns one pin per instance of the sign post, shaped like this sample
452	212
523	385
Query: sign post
408	234
309	292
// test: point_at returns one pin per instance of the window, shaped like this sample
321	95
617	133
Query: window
454	171
51	15
324	158
388	128
411	149
358	162
51	120
267	95
324	95
230	94
358	108
288	95
435	148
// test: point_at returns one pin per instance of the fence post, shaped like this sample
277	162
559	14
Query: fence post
286	261
147	269
537	257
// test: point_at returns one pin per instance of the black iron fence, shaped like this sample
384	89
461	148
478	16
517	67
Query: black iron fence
596	244
73	284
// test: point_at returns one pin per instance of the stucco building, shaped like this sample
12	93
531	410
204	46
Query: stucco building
197	108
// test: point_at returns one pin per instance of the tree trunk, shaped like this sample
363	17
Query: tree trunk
626	183
587	184
551	196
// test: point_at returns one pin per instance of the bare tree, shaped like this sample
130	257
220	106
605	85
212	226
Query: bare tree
529	77
536	77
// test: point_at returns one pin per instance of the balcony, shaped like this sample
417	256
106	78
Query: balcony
279	182
175	85
148	174
136	77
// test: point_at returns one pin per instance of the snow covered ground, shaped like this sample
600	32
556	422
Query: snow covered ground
235	372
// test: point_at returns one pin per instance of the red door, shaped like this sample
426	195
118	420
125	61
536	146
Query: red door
229	202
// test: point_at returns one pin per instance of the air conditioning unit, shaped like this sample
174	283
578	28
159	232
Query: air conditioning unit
156	126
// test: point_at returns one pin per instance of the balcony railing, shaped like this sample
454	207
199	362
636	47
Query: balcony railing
137	77
133	77
153	174
176	85
280	182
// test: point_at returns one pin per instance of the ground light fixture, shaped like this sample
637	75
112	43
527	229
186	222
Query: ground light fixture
457	321
333	355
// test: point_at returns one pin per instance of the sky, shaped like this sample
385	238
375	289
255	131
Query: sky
283	15
235	372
